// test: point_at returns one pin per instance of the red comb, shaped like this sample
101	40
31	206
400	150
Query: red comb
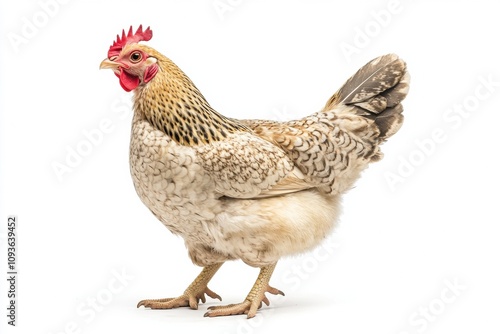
115	49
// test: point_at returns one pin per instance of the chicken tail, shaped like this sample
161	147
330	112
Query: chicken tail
375	91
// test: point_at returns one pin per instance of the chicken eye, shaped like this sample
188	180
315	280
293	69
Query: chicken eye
135	57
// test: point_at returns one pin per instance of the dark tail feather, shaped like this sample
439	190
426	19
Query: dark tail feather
376	91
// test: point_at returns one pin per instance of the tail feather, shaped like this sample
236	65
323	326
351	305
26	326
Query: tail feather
375	91
389	121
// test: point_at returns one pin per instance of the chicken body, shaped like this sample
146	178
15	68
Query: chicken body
225	222
246	189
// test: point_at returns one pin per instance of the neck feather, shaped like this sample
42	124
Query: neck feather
173	104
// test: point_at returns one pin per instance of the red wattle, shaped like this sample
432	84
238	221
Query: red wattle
128	81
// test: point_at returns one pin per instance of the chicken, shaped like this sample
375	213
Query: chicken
253	190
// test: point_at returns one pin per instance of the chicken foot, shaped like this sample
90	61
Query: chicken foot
195	292
253	301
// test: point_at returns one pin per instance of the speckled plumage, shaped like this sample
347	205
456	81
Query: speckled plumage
250	189
206	194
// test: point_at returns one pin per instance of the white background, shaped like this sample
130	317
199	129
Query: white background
387	267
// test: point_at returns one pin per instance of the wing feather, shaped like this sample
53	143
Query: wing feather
246	166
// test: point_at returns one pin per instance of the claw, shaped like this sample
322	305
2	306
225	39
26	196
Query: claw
193	302
275	291
231	309
212	294
148	302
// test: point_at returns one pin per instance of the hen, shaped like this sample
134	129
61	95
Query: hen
247	189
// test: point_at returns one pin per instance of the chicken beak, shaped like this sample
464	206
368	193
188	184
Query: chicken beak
106	63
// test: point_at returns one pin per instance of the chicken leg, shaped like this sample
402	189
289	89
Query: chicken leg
194	293
254	299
